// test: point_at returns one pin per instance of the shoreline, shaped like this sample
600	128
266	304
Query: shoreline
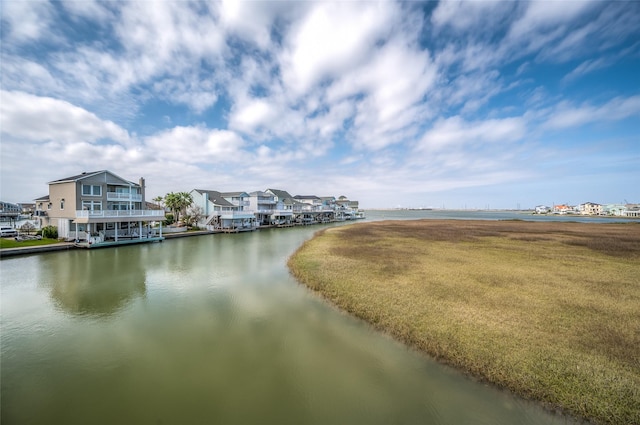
456	291
66	246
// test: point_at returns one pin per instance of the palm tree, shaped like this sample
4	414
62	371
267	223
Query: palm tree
178	202
158	200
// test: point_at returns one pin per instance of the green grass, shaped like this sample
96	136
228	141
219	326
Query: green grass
548	310
12	243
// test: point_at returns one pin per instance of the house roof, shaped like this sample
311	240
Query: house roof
314	197
42	198
281	194
215	197
234	194
85	175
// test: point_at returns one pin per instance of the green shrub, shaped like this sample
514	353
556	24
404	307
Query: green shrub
50	232
169	219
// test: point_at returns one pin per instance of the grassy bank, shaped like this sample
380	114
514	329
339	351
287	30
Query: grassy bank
549	310
12	243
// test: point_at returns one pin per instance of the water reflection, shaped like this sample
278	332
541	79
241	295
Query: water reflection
94	282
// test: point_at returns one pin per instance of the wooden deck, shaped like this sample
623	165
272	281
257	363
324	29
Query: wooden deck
120	241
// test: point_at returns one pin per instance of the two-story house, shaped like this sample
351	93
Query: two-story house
98	207
224	210
590	208
285	208
263	205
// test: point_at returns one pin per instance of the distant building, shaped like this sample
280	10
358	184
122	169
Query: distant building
9	211
590	208
563	209
542	209
614	209
632	210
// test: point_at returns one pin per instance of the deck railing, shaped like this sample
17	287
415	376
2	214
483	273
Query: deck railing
119	196
152	214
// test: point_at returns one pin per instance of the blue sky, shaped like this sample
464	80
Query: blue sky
411	104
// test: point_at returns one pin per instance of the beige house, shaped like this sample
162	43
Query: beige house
99	207
590	208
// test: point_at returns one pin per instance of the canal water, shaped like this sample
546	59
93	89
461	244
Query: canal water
213	330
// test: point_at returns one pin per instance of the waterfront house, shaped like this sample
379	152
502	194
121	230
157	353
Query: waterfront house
542	209
284	208
9	212
224	211
263	205
97	207
27	208
590	208
346	209
313	201
563	209
632	210
328	202
315	209
614	209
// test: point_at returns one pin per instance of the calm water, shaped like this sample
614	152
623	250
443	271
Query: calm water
212	329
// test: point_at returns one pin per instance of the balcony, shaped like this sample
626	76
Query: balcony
118	196
236	215
119	215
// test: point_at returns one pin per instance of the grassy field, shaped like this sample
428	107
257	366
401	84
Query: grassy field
549	310
12	243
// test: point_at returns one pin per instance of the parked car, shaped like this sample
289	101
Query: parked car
6	231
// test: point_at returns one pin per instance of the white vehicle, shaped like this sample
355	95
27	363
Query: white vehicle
6	231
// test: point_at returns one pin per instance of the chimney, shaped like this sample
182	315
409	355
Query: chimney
141	183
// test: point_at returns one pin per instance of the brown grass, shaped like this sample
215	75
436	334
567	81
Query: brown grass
550	310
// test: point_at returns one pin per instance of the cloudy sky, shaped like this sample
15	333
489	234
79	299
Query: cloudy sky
473	104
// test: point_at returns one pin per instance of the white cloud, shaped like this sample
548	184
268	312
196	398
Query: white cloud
253	21
253	114
28	76
88	9
470	15
542	15
23	115
26	21
456	132
388	93
332	38
565	115
586	67
195	145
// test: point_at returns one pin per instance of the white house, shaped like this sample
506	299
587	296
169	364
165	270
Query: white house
542	209
224	211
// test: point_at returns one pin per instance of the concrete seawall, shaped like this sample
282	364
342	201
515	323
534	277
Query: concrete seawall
65	246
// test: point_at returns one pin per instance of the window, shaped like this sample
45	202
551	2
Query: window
92	205
91	190
62	204
119	206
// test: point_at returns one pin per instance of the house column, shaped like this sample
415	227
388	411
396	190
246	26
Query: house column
140	229
161	228
115	229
